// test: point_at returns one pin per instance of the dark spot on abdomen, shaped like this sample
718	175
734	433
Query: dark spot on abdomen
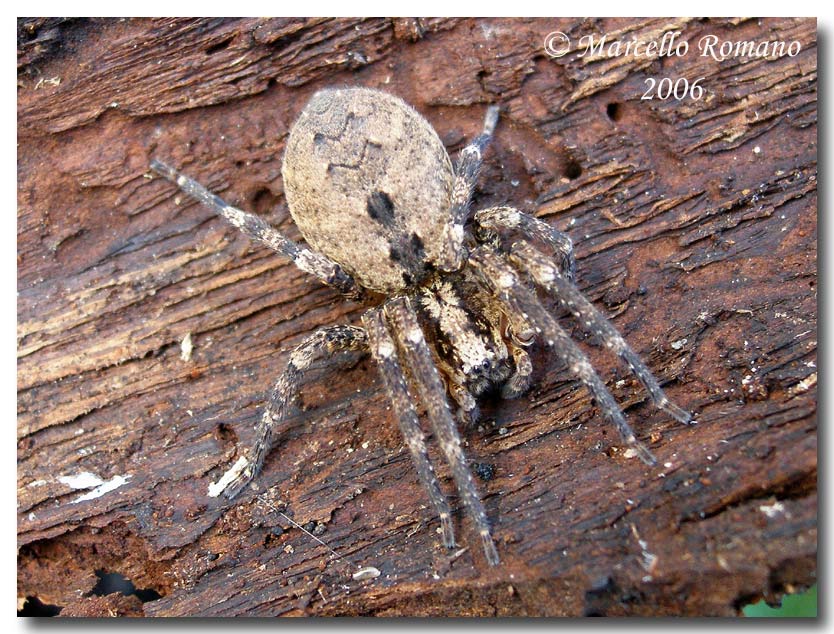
381	208
417	245
407	252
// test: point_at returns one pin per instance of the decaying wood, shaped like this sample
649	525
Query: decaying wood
695	228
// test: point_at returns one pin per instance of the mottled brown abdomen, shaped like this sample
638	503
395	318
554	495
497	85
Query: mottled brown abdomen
368	182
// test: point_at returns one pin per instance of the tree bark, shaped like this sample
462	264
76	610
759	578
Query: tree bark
694	222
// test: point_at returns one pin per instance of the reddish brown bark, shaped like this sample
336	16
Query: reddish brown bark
695	228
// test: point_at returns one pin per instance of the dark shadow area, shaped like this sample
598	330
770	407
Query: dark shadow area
35	607
110	582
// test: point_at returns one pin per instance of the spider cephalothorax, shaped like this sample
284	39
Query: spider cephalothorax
376	197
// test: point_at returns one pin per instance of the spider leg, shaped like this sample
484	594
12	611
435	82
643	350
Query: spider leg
539	267
466	177
322	344
427	378
519	382
501	277
508	218
255	227
468	410
384	351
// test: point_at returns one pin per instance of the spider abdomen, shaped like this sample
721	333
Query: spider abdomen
369	184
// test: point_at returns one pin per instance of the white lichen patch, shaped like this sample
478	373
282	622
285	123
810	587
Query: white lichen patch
772	510
82	480
804	385
186	348
86	480
216	488
366	573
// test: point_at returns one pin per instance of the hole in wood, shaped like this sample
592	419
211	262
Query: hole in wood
263	201
110	582
572	169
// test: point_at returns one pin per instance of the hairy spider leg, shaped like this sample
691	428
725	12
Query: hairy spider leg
558	280
418	357
466	176
384	352
508	218
502	278
323	344
468	410
519	381
539	267
257	228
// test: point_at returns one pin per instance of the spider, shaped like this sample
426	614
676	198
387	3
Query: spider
384	212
